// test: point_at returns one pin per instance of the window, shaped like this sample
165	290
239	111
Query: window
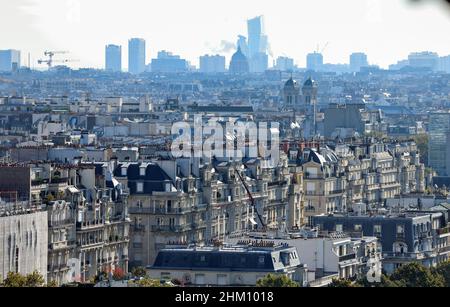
140	187
400	229
124	171
142	171
261	260
339	228
377	229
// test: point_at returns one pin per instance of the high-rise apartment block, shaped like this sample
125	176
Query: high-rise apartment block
212	64
9	60
113	58
136	56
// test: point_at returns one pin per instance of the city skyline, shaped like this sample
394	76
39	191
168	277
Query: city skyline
307	25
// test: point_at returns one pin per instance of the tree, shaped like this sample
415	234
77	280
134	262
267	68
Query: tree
139	272
443	270
150	283
415	275
35	280
276	281
118	274
52	284
385	283
14	280
343	283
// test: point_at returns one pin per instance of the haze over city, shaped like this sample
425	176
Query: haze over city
231	147
191	29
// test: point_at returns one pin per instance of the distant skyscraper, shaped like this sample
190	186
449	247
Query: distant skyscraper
212	64
239	63
314	61
136	56
169	63
257	45
439	143
444	64
285	64
424	60
242	43
113	58
9	60
357	61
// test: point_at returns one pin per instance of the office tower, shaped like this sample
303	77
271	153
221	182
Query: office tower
439	146
169	63
357	61
444	64
259	62
428	60
285	64
257	45
242	43
314	61
239	63
113	58
136	56
212	64
9	60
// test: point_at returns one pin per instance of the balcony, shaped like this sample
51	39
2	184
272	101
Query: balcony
159	211
404	256
59	181
443	231
199	225
138	228
347	257
61	224
170	228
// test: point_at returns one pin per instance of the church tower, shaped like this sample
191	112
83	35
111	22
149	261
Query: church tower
310	90
291	94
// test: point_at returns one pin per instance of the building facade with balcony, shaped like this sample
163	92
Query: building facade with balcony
405	237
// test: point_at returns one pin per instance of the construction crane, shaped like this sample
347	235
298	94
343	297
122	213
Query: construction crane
250	196
49	61
323	49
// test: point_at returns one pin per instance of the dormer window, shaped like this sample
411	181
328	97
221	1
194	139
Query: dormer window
124	171
142	171
140	187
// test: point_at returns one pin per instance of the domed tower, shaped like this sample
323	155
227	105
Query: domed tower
291	93
310	90
239	63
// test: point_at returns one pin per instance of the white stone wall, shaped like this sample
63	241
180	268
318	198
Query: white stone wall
28	235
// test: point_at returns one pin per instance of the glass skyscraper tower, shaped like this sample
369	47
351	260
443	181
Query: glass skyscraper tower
136	55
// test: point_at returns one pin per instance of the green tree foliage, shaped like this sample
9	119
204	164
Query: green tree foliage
16	280
34	280
413	275
443	269
150	283
276	281
416	275
52	284
139	272
343	283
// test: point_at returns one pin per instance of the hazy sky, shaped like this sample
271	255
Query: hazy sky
385	29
